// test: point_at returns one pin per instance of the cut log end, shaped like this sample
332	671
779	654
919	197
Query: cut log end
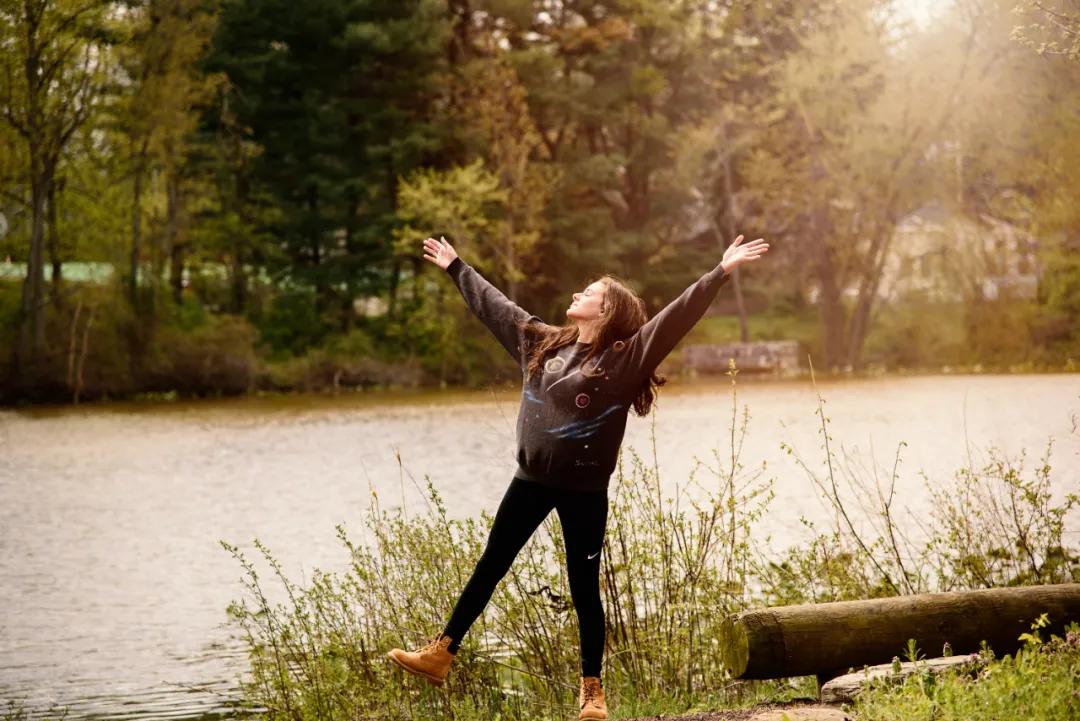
734	646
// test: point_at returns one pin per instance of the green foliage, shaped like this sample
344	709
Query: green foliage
998	330
994	526
211	358
464	203
350	361
336	94
922	334
292	324
802	327
281	162
1039	682
1061	286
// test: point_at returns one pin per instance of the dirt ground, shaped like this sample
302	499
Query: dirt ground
794	712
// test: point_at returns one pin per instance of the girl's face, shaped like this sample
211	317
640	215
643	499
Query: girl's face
588	303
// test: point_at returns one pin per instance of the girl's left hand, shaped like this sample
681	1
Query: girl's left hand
736	254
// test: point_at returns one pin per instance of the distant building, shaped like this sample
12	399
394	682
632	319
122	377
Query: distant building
370	306
72	271
939	255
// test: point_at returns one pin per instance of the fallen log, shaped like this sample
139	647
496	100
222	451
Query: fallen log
827	639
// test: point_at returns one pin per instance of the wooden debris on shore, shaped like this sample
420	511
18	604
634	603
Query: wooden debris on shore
766	356
844	689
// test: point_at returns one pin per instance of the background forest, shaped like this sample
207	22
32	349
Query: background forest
219	196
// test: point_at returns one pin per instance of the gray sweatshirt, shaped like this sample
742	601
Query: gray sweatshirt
573	416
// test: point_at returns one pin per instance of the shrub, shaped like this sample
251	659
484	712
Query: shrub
348	361
1038	683
216	358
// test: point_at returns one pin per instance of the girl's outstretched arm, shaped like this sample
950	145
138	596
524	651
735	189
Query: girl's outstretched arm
500	314
654	340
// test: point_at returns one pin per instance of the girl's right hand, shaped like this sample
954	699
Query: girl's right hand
439	252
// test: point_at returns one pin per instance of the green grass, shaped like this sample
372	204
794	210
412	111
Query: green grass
725	328
1040	683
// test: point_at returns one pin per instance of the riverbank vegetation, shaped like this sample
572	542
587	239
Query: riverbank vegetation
212	197
1037	682
672	568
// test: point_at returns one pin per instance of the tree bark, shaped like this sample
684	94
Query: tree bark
174	239
744	327
136	224
32	338
831	298
54	249
395	279
862	316
827	639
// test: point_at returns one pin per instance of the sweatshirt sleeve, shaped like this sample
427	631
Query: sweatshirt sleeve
654	340
500	314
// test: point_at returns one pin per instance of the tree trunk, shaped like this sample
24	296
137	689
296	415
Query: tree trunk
54	250
32	331
868	290
136	227
830	300
238	286
511	266
173	235
348	305
239	281
395	279
744	326
827	639
323	300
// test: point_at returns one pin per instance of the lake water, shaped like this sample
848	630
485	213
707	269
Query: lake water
113	585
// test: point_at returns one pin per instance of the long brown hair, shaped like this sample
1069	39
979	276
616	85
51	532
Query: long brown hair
623	314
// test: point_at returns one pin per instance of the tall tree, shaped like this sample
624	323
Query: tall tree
52	71
864	108
489	108
164	41
337	94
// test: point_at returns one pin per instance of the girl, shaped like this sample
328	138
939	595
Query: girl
579	382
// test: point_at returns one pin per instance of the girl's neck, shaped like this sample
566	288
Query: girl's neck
586	332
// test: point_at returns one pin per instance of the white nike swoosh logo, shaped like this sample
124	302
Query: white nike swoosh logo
594	555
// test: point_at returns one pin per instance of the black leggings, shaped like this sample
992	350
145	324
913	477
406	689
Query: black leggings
583	515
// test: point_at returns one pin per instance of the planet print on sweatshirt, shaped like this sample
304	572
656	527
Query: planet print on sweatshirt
554	365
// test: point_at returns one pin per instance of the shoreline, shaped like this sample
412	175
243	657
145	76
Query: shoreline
426	394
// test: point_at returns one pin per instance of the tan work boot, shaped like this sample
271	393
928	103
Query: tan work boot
591	699
431	662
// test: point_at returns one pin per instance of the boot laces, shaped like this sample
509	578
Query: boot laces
589	690
431	645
